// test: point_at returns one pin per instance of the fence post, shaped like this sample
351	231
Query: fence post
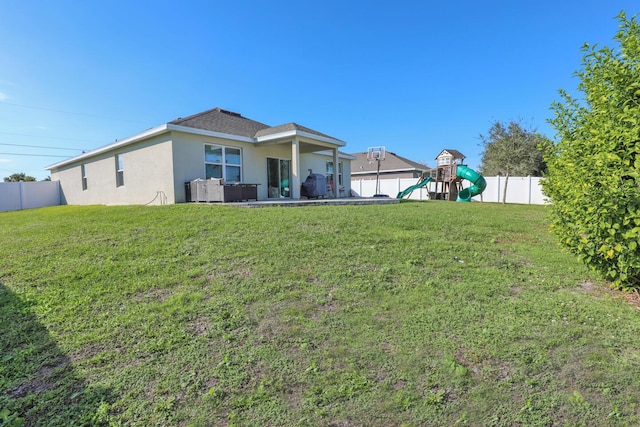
59	192
21	195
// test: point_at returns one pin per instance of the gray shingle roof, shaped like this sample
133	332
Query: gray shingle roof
224	121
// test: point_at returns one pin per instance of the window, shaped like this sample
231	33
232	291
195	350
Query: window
330	172
223	162
444	160
83	173
119	170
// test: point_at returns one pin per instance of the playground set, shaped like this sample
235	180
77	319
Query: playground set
450	172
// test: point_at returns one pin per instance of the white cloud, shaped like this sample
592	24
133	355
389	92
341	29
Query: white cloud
3	96
5	160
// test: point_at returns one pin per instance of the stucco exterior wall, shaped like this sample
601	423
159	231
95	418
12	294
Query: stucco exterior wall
318	164
347	176
258	165
189	161
147	171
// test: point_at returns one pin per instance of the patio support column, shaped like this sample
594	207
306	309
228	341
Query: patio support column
336	169
294	181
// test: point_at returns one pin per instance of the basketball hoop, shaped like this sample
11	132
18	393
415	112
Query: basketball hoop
375	154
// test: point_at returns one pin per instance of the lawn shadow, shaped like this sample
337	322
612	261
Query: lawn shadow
38	383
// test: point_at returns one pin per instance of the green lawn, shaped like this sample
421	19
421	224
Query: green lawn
332	316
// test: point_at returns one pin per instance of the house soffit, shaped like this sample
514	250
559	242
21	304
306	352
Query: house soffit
306	137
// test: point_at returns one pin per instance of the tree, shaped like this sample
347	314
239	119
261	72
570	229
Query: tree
17	177
593	176
512	149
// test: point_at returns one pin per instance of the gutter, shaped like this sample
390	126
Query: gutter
123	142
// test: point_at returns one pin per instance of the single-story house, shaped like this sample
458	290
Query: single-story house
155	165
393	166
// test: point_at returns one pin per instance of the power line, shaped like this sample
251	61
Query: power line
41	146
32	155
67	112
48	137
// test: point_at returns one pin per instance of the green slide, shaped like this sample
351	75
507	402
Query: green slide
478	181
409	190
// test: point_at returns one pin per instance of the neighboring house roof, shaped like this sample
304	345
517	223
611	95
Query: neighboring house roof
391	163
219	123
455	153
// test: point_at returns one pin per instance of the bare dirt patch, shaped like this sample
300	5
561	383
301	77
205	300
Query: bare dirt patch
159	295
43	380
88	351
631	297
588	286
200	326
240	271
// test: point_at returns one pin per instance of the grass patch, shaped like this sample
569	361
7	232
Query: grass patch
413	314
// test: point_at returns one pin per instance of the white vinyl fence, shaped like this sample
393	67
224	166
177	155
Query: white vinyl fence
520	189
16	196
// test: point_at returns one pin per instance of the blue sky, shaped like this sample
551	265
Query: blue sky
414	76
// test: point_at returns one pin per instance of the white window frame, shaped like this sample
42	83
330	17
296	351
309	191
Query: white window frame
224	162
83	173
445	160
329	169
119	170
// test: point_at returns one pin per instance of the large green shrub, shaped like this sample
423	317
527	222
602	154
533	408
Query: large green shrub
593	176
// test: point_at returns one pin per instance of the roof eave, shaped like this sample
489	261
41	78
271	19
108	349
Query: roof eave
121	143
294	133
204	132
147	134
194	131
340	155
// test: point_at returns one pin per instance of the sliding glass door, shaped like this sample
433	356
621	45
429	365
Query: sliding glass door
278	174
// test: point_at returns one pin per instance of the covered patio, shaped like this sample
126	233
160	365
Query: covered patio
302	141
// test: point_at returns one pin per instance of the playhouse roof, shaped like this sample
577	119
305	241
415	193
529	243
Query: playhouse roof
455	153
